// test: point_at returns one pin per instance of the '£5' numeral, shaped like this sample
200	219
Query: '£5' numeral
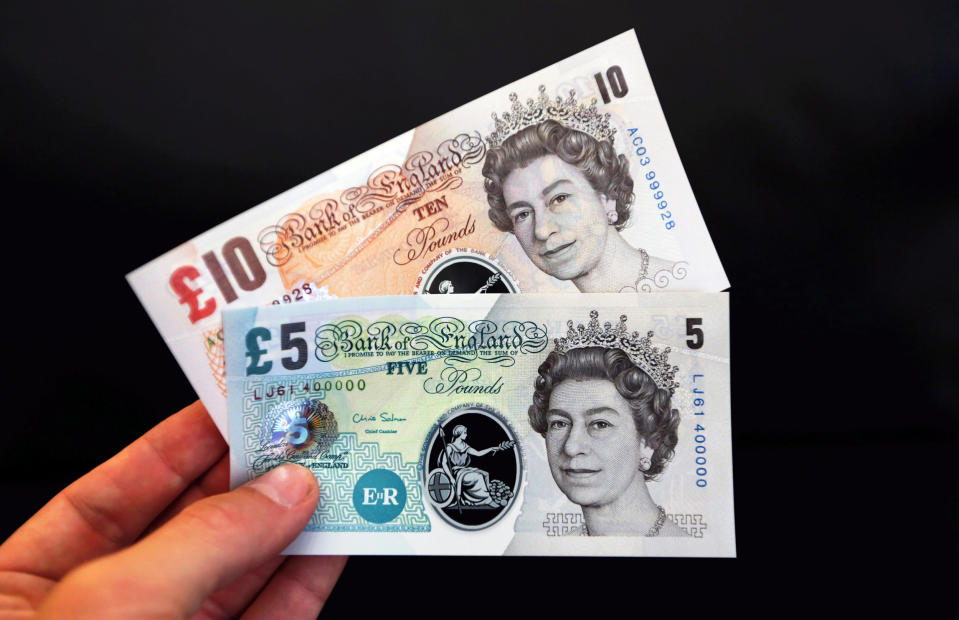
254	352
287	342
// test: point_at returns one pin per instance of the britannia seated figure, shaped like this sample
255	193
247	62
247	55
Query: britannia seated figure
471	485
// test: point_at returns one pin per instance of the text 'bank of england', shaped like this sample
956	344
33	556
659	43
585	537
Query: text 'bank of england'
564	181
541	424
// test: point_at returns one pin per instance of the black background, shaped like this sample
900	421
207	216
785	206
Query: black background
818	137
466	277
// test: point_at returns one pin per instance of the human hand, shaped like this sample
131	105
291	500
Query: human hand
153	533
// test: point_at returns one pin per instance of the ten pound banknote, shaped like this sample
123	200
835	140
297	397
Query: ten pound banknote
567	180
541	424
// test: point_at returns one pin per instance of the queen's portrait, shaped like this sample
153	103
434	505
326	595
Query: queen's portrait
554	179
602	402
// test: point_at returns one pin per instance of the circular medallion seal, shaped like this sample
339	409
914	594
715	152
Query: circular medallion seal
465	271
298	428
472	467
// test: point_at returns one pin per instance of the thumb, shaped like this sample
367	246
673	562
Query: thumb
205	547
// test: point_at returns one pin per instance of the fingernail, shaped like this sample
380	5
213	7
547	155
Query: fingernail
286	485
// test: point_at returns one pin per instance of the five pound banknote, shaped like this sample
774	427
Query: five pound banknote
567	180
542	424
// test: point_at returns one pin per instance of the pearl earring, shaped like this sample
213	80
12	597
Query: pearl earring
645	463
611	217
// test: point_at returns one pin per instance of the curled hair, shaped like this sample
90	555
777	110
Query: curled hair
655	419
607	172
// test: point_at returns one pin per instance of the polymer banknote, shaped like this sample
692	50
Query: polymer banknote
567	180
495	424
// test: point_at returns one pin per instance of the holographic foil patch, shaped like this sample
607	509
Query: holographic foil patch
298	428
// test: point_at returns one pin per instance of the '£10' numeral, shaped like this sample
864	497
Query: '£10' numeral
243	264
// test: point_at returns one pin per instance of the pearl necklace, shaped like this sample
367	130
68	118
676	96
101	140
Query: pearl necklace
652	531
644	269
643	272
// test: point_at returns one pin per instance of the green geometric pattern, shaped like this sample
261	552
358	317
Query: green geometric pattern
335	512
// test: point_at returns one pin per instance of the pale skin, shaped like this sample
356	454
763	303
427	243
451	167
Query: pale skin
155	533
595	455
565	228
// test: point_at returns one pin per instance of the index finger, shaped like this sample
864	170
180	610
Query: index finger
112	505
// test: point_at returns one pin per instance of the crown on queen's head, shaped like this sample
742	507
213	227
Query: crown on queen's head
651	360
579	116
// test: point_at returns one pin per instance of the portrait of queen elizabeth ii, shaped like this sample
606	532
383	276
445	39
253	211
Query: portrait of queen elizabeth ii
554	179
602	402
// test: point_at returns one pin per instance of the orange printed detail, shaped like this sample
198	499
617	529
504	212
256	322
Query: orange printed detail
215	358
328	232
